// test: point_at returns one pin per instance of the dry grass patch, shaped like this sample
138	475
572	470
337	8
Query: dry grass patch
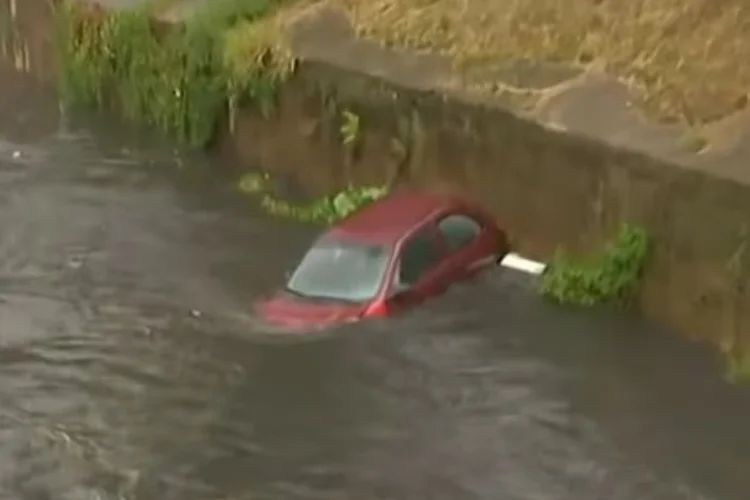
688	60
259	48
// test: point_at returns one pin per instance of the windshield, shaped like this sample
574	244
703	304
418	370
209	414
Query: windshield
340	270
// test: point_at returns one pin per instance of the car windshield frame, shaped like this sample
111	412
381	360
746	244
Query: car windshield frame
323	253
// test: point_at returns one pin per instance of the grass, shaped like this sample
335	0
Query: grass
177	80
256	55
611	277
687	60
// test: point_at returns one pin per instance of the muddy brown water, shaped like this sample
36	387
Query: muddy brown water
131	367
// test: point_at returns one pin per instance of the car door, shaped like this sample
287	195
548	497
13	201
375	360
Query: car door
420	270
463	234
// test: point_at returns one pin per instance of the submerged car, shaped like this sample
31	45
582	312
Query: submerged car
389	255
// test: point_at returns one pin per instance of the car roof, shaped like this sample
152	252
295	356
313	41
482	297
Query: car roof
389	219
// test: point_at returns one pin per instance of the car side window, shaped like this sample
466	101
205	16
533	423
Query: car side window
418	255
459	230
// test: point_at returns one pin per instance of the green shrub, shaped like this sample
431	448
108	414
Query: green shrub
170	77
325	210
328	209
612	278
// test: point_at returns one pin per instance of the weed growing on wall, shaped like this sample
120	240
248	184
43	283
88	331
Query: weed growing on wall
325	210
171	77
328	209
738	369
254	183
349	128
612	278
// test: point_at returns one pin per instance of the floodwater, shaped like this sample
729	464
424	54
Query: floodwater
131	367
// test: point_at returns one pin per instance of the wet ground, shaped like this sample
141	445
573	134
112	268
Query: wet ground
130	366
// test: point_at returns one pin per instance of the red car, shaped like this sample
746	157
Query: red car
387	256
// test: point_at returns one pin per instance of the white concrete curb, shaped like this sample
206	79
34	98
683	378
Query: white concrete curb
515	261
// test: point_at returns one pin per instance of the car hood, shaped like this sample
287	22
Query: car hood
286	310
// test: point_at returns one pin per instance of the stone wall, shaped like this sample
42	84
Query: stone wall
550	189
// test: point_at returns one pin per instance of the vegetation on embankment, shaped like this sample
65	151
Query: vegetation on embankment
324	210
687	60
611	277
178	78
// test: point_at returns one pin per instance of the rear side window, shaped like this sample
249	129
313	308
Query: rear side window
418	256
459	230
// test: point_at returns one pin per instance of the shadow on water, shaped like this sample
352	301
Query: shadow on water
130	366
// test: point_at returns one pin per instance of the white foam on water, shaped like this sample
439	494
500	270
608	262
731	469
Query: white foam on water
515	261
